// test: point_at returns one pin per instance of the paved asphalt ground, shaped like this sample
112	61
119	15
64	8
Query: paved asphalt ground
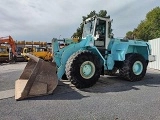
110	99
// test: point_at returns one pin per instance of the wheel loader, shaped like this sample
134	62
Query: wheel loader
97	53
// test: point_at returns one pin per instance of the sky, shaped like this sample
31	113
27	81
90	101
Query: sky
42	20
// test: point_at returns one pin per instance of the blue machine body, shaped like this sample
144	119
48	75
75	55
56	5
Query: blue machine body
115	51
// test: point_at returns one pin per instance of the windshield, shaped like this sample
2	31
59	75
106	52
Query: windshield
88	28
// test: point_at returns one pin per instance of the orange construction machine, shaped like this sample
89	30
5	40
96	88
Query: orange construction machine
9	40
11	52
12	55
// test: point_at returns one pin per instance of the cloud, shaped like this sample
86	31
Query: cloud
41	20
128	17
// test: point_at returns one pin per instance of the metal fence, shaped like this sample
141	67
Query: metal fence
155	45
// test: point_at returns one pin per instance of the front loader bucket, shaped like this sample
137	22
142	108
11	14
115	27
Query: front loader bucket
38	78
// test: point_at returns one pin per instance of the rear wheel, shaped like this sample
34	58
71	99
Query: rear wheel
83	69
134	67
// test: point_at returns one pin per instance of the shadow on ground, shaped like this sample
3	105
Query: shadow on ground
66	91
117	84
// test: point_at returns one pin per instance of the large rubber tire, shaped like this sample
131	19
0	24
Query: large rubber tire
76	70
134	67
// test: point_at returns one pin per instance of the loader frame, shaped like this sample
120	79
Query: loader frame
116	52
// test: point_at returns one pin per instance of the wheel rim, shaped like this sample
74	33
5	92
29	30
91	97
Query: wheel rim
87	69
137	68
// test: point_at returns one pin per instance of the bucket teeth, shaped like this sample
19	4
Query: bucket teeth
38	78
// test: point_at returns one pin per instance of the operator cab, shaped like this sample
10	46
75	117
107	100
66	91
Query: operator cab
100	29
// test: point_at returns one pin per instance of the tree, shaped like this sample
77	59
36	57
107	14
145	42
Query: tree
150	27
129	35
79	31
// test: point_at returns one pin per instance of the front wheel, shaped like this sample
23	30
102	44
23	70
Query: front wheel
83	69
134	67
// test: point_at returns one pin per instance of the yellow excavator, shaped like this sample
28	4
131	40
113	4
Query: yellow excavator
40	52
